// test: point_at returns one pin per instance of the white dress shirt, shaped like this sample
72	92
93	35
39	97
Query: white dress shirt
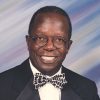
48	91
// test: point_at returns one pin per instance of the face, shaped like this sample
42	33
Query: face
48	58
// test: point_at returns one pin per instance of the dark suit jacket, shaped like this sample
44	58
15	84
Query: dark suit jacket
16	84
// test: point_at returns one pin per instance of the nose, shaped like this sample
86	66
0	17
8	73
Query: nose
49	45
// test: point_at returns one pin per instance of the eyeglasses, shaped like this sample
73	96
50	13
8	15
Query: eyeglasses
58	41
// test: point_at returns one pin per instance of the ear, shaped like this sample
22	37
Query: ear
68	45
27	41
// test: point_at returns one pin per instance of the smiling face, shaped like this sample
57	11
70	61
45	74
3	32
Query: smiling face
50	29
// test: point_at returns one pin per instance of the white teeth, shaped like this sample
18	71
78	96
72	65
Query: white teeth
48	58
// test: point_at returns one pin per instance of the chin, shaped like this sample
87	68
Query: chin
49	70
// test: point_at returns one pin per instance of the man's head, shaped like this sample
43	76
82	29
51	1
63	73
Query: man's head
49	39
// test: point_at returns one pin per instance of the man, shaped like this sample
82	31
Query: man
48	42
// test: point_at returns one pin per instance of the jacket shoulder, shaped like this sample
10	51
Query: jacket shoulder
10	72
14	79
85	87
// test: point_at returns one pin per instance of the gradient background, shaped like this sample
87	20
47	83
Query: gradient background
84	55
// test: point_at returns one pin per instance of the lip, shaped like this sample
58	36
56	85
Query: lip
48	59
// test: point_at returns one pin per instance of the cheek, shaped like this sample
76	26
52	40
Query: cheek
32	47
33	50
63	51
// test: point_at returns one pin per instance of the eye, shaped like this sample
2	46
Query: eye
60	40
40	38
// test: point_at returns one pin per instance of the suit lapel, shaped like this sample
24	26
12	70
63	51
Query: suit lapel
21	77
29	93
68	92
22	85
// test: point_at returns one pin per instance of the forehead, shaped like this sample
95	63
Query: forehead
53	17
50	14
51	21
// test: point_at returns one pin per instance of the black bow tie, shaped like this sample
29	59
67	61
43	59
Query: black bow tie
58	80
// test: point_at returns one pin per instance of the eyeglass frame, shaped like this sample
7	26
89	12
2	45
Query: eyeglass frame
36	36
